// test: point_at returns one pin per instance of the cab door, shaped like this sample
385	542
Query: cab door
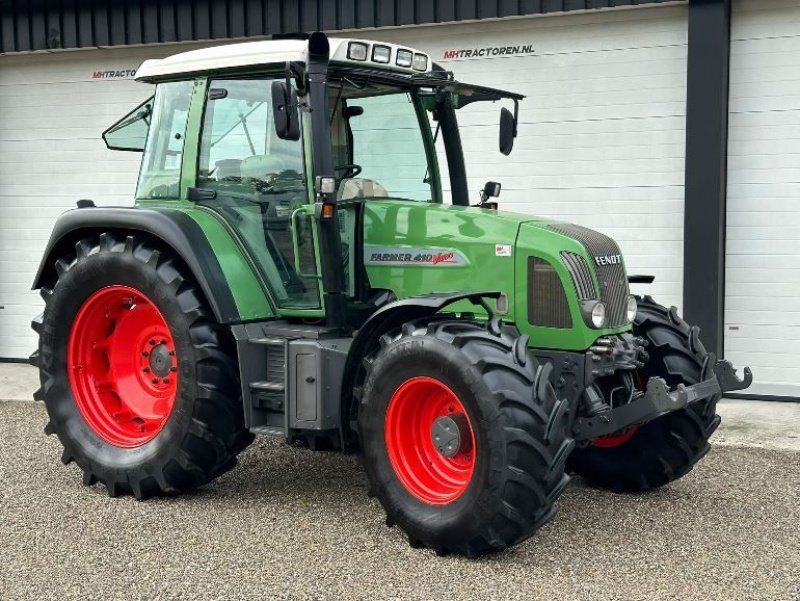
256	182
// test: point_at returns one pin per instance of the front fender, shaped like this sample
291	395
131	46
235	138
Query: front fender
390	317
230	286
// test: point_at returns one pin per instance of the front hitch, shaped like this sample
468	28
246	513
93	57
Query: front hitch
658	400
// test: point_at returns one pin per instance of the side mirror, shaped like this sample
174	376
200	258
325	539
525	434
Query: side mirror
507	133
284	111
490	190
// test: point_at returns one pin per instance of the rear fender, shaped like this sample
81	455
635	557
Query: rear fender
178	231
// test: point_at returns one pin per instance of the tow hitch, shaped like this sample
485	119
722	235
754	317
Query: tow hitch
658	400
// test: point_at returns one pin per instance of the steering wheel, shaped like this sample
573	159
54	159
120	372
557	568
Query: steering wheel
349	170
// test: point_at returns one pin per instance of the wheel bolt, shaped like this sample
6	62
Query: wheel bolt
163	341
145	354
146	370
152	343
165	380
172	353
154	380
173	369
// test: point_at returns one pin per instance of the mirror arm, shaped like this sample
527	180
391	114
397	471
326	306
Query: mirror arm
516	115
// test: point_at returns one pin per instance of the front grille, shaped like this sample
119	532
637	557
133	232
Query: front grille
547	301
581	276
611	277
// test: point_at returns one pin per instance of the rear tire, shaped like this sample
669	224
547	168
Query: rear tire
503	485
669	447
190	416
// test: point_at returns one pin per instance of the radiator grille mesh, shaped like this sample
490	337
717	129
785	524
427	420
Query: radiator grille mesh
581	276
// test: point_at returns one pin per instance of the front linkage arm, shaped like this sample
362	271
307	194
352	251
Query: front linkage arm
659	400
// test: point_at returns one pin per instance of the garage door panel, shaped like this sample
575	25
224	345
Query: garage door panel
762	317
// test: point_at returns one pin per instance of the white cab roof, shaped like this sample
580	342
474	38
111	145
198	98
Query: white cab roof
266	52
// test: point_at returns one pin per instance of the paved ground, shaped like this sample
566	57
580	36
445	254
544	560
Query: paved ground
289	523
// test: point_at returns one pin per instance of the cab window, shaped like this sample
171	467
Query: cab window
160	174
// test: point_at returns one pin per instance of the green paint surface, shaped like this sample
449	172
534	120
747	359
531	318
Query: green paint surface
400	236
247	290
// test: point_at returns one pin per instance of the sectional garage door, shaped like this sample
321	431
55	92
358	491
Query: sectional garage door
762	314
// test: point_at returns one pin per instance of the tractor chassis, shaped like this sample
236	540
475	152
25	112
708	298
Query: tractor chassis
311	359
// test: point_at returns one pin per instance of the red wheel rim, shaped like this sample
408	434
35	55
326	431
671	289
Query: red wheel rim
424	471
122	366
614	440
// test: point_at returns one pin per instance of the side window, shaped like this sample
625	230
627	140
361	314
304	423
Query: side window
160	175
259	182
388	146
239	150
130	132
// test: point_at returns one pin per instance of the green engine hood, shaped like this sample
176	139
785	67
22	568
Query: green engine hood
414	249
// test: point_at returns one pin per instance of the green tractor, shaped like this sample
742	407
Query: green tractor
292	268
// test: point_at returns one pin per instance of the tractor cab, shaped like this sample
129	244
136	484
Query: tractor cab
293	151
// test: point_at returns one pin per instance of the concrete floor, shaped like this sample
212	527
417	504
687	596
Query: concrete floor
288	523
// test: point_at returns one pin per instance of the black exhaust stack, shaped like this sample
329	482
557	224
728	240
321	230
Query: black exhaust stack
322	165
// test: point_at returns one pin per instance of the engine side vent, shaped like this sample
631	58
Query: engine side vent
547	300
581	276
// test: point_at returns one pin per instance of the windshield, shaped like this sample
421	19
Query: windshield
378	146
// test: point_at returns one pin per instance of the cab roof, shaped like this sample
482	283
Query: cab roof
267	52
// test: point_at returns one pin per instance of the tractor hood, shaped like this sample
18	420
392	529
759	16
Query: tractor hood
549	270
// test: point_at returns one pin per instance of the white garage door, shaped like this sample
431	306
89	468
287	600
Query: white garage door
601	141
602	134
762	316
53	108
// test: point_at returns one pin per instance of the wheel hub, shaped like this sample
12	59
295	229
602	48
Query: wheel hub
161	360
450	433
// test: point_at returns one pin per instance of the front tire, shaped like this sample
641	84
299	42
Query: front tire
498	483
138	379
667	448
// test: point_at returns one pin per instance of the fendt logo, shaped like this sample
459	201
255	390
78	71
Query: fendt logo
487	51
608	260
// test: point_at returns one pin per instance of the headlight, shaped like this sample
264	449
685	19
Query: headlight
599	315
632	308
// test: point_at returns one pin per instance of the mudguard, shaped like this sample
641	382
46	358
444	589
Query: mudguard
174	228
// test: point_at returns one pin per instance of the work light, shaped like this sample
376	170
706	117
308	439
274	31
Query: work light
420	62
404	58
357	51
381	54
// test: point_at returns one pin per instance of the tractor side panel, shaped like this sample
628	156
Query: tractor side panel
245	286
414	249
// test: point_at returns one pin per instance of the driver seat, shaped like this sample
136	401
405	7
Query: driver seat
355	188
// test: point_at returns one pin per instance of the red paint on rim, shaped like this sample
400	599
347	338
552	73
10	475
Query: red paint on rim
122	366
614	440
428	475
